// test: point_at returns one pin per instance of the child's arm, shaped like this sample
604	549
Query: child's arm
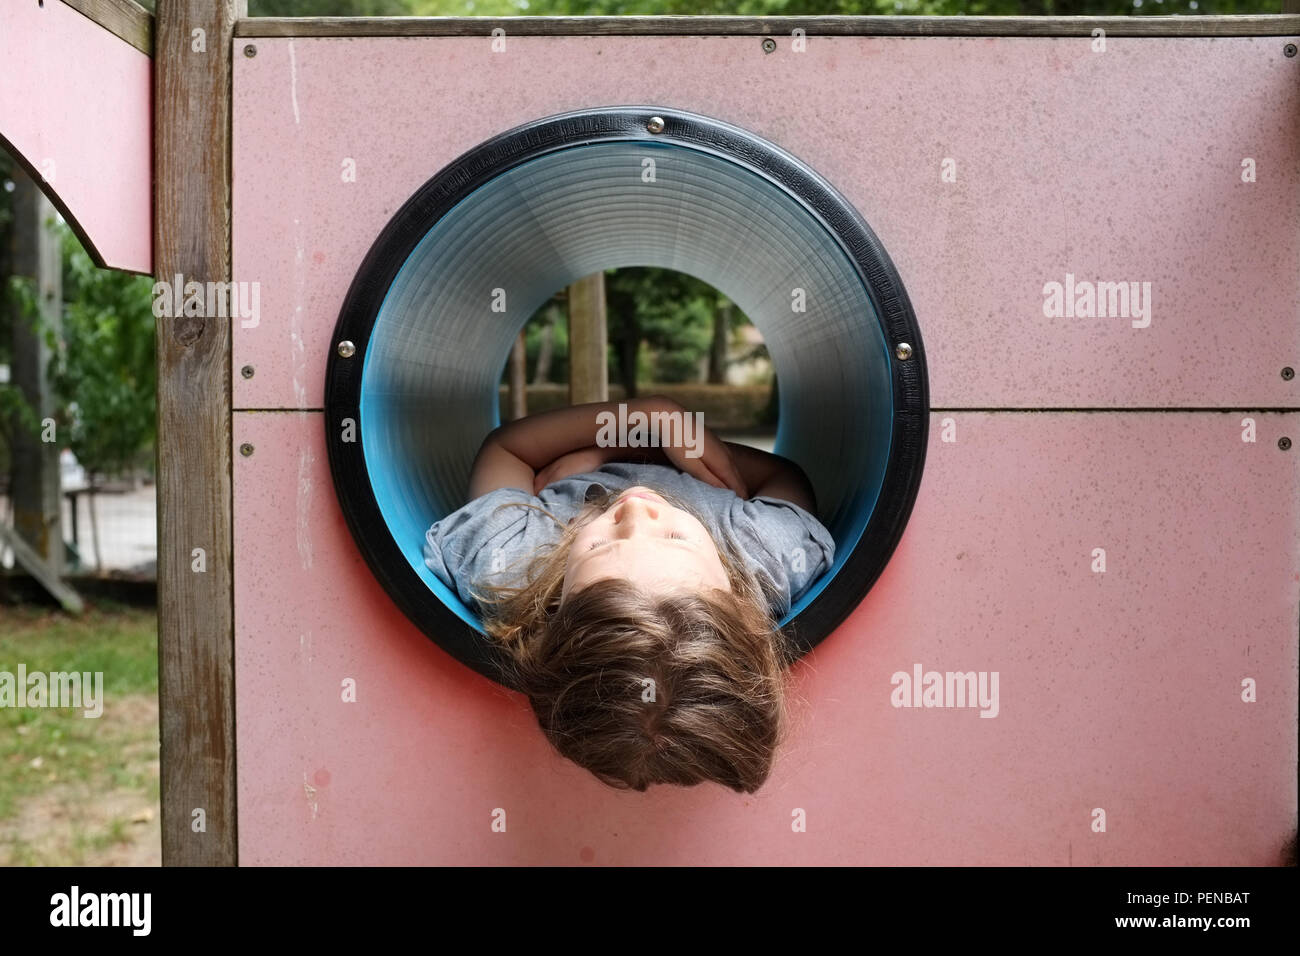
512	454
586	460
774	476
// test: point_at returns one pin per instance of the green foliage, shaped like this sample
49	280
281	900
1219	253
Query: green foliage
671	312
19	304
105	373
553	312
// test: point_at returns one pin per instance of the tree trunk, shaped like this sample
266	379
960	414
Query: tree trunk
629	347
545	349
588	341
519	378
718	351
35	255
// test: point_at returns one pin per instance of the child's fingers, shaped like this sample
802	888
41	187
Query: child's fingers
700	470
722	464
542	479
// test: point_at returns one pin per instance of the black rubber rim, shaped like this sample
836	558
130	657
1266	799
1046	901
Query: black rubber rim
478	166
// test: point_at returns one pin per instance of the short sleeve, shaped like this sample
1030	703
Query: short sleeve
490	540
788	546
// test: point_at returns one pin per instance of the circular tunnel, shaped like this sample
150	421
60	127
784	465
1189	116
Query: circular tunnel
540	206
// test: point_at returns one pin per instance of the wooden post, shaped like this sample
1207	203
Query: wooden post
519	377
38	512
721	337
195	608
545	347
588	341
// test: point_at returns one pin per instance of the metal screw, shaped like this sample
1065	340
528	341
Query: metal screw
245	449
246	371
656	124
769	45
903	351
1288	373
1284	443
1289	49
347	349
250	51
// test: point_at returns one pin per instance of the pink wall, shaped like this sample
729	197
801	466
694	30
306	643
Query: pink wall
1123	165
75	104
1118	690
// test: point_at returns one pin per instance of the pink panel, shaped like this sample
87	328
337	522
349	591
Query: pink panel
1116	166
1118	690
75	103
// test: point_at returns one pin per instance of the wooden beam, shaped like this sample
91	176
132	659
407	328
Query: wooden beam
588	341
195	608
36	566
123	18
1163	26
36	255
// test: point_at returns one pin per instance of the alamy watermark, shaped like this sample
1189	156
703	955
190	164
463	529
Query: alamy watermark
639	429
923	688
129	910
1098	300
216	300
80	689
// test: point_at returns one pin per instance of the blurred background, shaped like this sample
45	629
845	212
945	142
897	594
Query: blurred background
78	546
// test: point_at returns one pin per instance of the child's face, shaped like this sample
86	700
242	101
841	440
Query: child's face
643	539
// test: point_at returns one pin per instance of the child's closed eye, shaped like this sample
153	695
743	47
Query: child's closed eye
670	535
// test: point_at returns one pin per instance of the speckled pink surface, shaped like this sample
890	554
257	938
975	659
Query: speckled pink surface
1118	690
1116	166
75	102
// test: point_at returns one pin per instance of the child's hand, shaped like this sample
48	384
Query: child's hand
574	463
715	466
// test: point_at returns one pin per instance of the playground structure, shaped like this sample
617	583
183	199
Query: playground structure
1097	234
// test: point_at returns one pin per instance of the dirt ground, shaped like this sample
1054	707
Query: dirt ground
97	822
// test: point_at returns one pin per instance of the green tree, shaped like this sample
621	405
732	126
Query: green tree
105	373
671	312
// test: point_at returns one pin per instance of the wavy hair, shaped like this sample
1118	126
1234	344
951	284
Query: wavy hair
643	688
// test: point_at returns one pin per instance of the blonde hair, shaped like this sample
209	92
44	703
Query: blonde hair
643	688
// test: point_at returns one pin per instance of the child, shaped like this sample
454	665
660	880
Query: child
637	591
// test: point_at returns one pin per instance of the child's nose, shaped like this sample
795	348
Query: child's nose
635	510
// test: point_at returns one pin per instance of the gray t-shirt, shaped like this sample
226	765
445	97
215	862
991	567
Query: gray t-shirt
481	542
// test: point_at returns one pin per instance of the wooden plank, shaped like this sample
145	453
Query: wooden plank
36	257
69	599
588	341
195	610
123	18
1165	26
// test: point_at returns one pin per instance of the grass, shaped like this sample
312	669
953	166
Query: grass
61	757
